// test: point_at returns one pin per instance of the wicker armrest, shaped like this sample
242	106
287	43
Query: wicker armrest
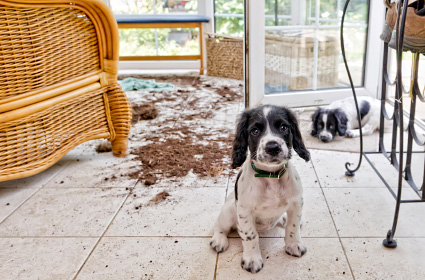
58	82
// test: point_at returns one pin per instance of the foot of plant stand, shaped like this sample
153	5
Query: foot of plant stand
389	242
349	173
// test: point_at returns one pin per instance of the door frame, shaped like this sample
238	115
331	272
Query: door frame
254	57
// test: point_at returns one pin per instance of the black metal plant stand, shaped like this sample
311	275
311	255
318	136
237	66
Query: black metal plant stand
396	158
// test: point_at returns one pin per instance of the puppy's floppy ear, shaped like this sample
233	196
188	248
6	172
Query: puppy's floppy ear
297	141
314	121
240	143
341	120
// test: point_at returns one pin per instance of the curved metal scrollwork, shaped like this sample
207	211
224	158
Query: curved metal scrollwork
350	172
400	157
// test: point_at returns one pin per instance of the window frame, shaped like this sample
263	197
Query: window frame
255	91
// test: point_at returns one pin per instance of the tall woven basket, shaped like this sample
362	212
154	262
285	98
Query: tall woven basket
224	56
58	89
290	62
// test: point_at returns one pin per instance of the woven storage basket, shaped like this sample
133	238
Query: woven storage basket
58	84
289	62
224	56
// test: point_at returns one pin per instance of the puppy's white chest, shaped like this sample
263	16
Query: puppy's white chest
271	205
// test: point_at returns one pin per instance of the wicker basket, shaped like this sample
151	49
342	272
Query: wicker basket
289	62
224	56
58	73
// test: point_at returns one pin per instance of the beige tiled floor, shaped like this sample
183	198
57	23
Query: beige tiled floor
70	223
51	230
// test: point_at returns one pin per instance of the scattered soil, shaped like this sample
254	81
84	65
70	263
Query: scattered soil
189	145
160	197
229	94
147	111
176	157
104	147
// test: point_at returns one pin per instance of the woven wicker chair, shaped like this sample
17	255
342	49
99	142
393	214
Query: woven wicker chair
58	82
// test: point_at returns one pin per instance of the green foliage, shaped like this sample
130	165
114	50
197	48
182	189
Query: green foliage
141	42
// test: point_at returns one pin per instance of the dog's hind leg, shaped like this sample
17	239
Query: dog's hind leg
225	222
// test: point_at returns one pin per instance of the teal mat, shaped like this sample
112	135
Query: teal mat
140	84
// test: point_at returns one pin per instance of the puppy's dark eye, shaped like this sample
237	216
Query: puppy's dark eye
255	131
320	125
331	126
283	128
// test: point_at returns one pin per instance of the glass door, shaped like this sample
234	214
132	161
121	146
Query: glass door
294	56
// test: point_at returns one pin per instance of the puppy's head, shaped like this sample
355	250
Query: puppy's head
327	123
269	132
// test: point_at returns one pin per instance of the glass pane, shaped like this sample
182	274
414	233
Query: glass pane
180	41
229	26
234	7
407	62
303	47
229	17
142	42
154	6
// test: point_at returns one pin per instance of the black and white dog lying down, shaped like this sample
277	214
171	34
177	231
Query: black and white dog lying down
268	189
341	117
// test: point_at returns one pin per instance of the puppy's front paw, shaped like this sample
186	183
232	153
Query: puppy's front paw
351	134
296	249
219	242
253	263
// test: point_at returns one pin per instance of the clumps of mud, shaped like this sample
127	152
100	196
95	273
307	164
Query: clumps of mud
147	111
104	147
176	157
160	197
194	143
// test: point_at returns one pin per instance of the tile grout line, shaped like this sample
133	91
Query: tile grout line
216	265
216	260
128	195
200	237
104	232
333	221
42	187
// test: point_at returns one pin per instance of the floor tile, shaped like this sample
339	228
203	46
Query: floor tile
369	212
369	259
306	171
64	212
191	180
37	181
11	199
43	258
324	260
96	171
317	221
185	212
390	174
150	258
330	169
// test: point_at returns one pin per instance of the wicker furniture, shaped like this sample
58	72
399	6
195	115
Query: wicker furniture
58	82
166	21
224	56
290	62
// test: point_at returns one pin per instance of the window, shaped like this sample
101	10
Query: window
152	42
228	17
302	44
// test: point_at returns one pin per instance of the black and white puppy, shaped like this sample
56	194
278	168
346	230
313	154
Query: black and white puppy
341	117
267	187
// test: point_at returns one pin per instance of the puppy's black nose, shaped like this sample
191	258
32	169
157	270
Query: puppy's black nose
273	148
324	139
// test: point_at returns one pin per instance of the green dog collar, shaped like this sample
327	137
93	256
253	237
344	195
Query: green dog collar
267	174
